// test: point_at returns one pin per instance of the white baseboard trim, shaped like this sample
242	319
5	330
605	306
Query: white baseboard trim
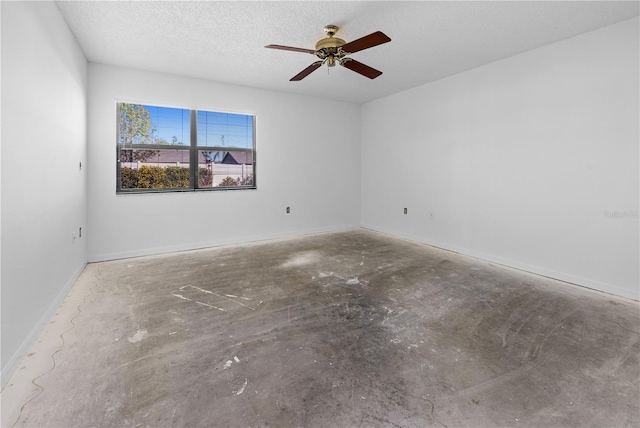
537	270
9	367
216	243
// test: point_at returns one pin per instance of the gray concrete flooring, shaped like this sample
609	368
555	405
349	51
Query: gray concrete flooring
340	329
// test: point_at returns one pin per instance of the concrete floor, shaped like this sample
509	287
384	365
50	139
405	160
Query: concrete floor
340	329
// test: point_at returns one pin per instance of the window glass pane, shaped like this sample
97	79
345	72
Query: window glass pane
154	169
144	124
225	169
225	130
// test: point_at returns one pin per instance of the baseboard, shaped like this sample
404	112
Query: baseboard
10	366
216	243
537	270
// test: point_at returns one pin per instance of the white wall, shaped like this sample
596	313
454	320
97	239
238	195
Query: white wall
308	158
44	90
518	161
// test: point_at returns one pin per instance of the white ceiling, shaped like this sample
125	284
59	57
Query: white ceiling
223	41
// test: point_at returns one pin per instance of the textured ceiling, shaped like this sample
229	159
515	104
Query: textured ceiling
223	41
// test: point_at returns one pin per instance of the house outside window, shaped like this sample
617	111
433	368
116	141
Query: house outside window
164	149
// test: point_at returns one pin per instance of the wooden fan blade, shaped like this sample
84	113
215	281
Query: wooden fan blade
361	68
307	71
366	42
289	48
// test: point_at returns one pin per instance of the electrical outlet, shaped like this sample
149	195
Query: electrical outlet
405	210
80	232
288	210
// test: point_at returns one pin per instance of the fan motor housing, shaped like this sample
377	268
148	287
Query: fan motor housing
328	49
329	42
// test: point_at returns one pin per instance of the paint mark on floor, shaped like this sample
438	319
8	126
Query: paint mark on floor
138	336
241	390
223	296
209	306
196	288
230	362
302	259
198	302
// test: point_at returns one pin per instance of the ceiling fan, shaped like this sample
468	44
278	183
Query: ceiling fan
332	50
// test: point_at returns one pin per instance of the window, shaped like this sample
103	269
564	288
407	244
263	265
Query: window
163	149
